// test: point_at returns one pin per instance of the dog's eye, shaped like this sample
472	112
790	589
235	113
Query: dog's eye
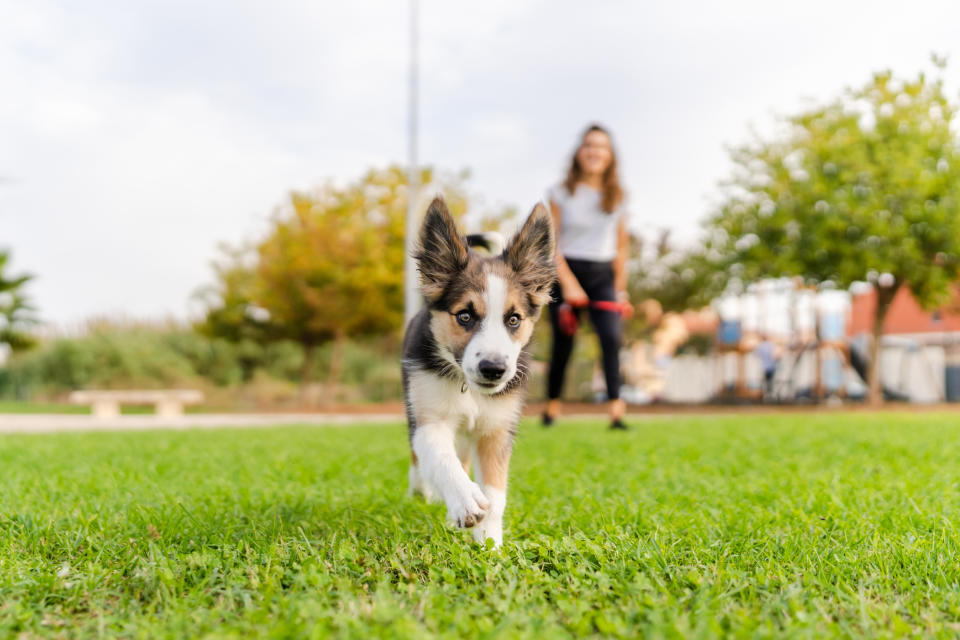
464	318
513	320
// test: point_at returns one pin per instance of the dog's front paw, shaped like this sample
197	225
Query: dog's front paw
467	505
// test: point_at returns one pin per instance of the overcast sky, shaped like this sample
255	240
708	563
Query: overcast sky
136	136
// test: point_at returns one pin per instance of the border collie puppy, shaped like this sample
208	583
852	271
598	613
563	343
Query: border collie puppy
465	366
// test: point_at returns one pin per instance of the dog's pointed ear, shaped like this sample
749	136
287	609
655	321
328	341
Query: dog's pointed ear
442	251
531	255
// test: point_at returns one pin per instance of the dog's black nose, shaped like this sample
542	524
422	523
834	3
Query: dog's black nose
492	369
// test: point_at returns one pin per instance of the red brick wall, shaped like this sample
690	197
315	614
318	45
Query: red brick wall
905	315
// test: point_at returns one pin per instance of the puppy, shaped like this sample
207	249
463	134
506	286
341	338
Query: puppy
465	365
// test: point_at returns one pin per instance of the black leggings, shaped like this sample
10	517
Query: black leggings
596	278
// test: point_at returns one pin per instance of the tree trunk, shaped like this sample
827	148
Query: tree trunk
884	298
336	358
307	368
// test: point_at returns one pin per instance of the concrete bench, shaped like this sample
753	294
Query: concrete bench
106	404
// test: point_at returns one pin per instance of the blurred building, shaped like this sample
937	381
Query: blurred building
907	318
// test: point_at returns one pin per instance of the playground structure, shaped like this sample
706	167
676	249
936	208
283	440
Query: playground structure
798	324
824	342
814	341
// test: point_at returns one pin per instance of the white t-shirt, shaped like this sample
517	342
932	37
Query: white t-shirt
587	232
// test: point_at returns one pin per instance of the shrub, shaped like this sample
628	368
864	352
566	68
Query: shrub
109	356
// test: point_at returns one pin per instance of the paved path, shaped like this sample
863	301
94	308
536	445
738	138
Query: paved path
49	423
59	422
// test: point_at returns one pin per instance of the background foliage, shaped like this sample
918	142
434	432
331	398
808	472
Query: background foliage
138	356
16	313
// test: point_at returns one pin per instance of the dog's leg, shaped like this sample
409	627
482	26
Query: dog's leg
465	451
438	463
417	484
493	461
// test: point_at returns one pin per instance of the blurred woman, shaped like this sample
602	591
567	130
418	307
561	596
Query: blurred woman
588	213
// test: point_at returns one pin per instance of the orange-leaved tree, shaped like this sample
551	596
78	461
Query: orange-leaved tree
330	267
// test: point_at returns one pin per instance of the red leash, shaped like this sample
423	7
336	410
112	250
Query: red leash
567	319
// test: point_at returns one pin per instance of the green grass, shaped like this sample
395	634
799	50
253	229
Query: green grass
796	525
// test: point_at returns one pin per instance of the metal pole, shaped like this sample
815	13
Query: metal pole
411	294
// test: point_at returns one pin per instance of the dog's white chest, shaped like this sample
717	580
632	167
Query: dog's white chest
437	399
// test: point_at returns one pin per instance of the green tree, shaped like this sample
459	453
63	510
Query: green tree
16	314
677	278
865	187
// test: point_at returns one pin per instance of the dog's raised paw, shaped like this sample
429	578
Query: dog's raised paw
467	506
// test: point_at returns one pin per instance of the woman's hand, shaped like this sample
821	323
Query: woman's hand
573	293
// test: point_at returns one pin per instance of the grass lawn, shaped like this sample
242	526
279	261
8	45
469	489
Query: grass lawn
798	524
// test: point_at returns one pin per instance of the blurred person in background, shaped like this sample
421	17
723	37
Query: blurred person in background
592	240
769	354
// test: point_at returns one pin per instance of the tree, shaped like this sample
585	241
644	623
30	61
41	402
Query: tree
16	314
677	278
866	187
331	267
